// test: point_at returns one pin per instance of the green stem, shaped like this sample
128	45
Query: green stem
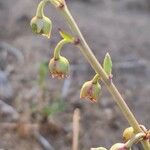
135	139
98	69
56	3
95	79
40	9
58	48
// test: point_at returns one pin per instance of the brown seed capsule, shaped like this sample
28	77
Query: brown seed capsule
91	91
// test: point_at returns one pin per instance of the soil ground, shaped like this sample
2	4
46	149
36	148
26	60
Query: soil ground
121	28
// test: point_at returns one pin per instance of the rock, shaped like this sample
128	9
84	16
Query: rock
6	91
7	112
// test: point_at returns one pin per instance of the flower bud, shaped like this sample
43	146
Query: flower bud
128	133
119	146
91	91
59	68
41	25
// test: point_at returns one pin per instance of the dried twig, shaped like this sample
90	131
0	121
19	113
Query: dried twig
76	129
43	142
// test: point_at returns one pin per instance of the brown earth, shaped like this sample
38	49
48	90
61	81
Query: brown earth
121	28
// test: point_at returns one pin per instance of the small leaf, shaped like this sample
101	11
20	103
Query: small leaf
107	64
66	36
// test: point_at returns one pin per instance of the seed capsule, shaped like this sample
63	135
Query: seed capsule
119	146
41	25
59	68
128	133
91	91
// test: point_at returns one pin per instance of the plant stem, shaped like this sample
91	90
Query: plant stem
76	129
95	79
58	48
40	8
134	140
98	69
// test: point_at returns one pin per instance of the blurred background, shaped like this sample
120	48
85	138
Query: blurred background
32	104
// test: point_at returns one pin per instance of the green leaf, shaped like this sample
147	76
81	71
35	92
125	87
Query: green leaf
67	36
107	64
53	108
43	69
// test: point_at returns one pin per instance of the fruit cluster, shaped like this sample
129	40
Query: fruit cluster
59	65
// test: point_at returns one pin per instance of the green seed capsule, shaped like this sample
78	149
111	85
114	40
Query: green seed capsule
91	91
59	68
128	133
42	26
